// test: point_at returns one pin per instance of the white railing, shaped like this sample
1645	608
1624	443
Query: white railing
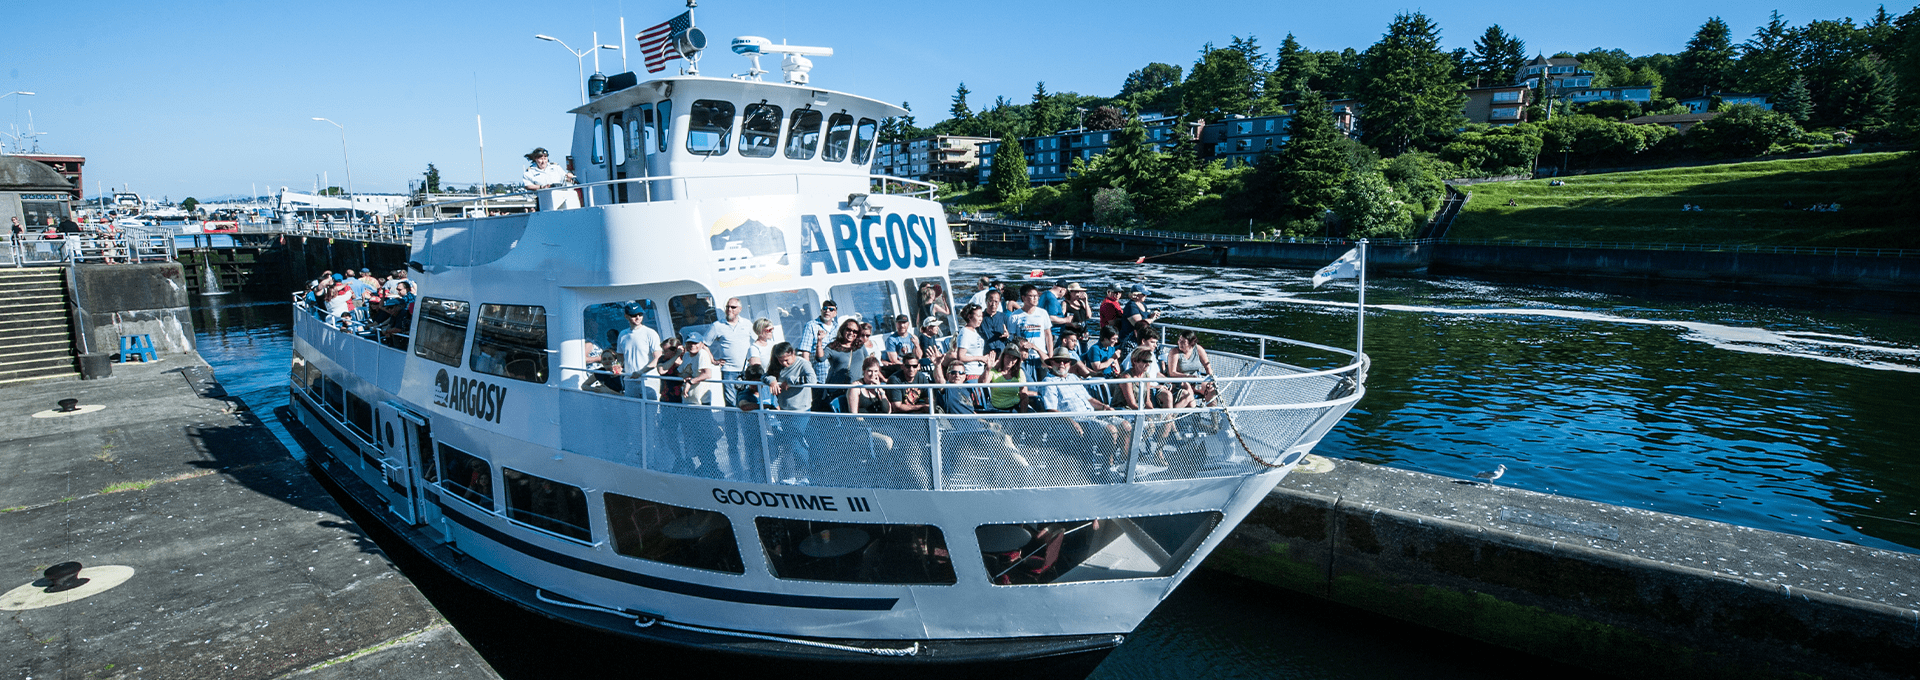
1265	416
679	185
127	247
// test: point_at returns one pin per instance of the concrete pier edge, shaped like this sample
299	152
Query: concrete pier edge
1619	590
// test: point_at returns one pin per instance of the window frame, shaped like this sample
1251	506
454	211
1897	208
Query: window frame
520	487
748	116
425	341
723	135
516	352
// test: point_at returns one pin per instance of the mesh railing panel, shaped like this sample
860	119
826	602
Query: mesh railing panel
1026	452
855	452
600	426
712	443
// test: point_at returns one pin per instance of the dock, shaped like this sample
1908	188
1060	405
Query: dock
1618	590
207	549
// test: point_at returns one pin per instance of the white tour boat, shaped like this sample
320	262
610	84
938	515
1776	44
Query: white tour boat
486	439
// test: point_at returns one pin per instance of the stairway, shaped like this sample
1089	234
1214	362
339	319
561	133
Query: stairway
36	338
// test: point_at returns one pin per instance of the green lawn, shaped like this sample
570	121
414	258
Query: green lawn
1744	203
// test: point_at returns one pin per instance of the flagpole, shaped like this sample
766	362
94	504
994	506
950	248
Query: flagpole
1360	335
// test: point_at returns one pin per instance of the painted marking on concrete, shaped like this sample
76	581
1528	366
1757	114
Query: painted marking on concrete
35	596
56	413
1314	465
1558	523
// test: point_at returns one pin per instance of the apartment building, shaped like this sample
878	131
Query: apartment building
1500	105
934	158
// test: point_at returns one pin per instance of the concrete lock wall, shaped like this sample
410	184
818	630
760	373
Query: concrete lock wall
111	301
1787	269
1628	592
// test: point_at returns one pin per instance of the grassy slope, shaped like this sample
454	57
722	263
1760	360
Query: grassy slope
1743	201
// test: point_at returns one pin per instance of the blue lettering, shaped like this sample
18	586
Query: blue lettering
933	244
919	251
875	256
813	247
897	245
846	239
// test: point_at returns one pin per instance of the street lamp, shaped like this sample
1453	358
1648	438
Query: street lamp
580	58
9	94
352	209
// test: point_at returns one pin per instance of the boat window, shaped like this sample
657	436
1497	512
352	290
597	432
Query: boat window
304	374
803	135
511	342
663	124
639	130
546	505
603	324
332	394
442	330
701	539
691	313
839	131
708	124
789	310
1092	550
359	416
760	130
863	141
855	553
929	297
618	143
874	302
599	141
468	477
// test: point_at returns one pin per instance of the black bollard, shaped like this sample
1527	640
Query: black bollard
69	405
64	576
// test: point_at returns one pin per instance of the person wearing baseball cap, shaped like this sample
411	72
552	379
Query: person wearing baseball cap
698	371
639	348
1064	393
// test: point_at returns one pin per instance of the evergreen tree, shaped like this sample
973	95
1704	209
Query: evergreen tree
432	183
1496	57
1865	97
1303	180
1294	67
1221	83
959	110
1707	65
1767	60
1409	94
1905	63
1367	204
1008	178
1133	166
1795	102
1048	112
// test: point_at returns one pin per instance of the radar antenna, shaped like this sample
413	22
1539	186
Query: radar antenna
794	65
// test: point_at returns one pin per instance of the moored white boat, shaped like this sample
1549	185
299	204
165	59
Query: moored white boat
482	436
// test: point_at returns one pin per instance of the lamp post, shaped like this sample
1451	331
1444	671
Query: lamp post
352	209
580	58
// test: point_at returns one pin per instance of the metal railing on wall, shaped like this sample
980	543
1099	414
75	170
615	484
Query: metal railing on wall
127	247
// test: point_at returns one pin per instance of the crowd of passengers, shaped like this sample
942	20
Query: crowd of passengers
373	307
1052	335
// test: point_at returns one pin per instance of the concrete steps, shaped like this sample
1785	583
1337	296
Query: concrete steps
36	337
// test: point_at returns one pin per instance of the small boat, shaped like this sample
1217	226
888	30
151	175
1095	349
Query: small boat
485	430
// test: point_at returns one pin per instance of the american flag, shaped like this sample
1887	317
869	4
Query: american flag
657	42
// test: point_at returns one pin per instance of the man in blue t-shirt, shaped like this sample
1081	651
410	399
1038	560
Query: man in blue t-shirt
899	347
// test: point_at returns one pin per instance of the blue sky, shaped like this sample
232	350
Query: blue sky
211	98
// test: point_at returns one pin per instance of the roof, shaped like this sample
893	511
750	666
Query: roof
26	173
1553	61
1672	118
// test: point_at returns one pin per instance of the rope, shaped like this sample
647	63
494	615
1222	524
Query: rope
640	621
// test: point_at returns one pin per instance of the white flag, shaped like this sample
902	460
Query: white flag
1347	267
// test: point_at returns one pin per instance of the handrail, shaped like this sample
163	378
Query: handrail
929	187
1387	242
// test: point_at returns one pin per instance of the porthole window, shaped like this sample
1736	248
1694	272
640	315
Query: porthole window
760	130
708	124
699	539
546	505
